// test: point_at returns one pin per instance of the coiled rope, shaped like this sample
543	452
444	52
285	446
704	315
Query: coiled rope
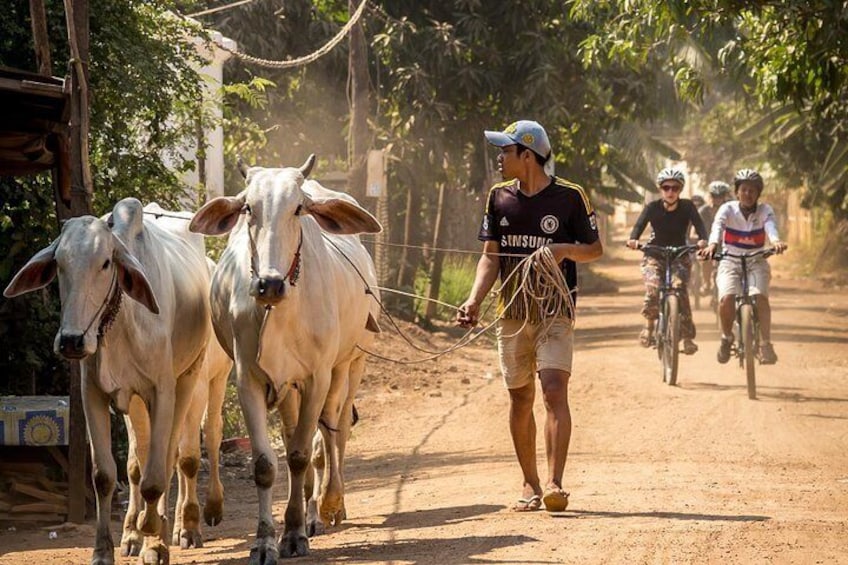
542	285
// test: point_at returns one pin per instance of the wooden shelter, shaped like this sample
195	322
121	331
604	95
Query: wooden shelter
44	127
34	127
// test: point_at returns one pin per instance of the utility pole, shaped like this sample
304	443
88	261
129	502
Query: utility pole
359	137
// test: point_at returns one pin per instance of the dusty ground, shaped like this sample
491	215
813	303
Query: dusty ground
689	474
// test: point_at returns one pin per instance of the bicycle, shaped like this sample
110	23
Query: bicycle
667	334
746	347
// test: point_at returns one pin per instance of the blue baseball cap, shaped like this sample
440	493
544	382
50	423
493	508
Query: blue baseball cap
527	133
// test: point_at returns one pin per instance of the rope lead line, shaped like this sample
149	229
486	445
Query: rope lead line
542	284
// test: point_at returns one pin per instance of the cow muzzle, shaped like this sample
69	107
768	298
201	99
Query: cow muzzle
268	290
71	345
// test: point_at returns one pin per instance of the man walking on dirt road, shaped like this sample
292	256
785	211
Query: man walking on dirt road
532	212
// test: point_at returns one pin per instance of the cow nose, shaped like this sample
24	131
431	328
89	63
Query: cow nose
72	345
268	290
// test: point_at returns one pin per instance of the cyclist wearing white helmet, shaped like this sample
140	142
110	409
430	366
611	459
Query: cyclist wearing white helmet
744	226
719	194
670	218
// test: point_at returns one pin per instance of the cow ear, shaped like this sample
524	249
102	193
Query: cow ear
37	273
218	216
132	279
342	217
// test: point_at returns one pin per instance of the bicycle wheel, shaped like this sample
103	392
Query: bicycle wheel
747	322
671	339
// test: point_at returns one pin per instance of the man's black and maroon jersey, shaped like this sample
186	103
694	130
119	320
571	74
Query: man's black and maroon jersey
521	224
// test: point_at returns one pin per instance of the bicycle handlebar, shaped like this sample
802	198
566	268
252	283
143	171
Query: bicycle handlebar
667	249
765	253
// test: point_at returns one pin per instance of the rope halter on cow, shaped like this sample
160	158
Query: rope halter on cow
293	274
109	308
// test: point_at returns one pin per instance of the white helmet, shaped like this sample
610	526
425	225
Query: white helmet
749	175
671	174
719	188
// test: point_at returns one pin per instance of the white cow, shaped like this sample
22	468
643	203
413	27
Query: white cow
142	355
208	400
290	303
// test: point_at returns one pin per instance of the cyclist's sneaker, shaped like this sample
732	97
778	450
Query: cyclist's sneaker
646	337
689	347
767	354
723	355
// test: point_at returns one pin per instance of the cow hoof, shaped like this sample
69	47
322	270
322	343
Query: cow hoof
334	517
103	558
190	538
315	528
294	545
264	553
130	545
213	513
154	555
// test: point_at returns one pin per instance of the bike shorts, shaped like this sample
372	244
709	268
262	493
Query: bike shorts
535	347
729	277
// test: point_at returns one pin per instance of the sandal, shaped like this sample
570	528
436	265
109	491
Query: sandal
646	337
528	504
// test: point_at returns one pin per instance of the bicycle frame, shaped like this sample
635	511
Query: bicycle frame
744	299
667	352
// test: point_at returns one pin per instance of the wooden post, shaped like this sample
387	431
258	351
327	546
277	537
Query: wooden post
76	12
358	141
435	279
39	35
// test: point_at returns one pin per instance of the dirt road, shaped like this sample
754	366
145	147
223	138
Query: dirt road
690	474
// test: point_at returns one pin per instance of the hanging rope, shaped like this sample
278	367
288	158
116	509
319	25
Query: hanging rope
306	59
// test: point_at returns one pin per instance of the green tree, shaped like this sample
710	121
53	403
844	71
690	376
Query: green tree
787	58
145	104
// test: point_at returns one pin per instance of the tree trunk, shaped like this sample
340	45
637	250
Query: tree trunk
435	277
358	142
81	191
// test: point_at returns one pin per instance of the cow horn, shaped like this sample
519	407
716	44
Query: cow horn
306	168
242	167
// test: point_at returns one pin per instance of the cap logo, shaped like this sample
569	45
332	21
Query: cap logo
528	139
511	128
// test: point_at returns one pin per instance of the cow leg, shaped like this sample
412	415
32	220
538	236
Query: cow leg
213	511
138	433
357	370
314	478
104	470
289	409
186	532
293	542
331	500
253	404
182	488
168	412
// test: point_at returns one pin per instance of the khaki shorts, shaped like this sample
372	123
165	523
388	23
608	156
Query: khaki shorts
729	277
531	350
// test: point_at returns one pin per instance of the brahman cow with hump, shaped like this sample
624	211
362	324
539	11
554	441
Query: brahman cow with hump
206	409
291	302
142	355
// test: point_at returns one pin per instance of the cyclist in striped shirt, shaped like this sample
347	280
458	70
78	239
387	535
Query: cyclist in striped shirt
744	226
